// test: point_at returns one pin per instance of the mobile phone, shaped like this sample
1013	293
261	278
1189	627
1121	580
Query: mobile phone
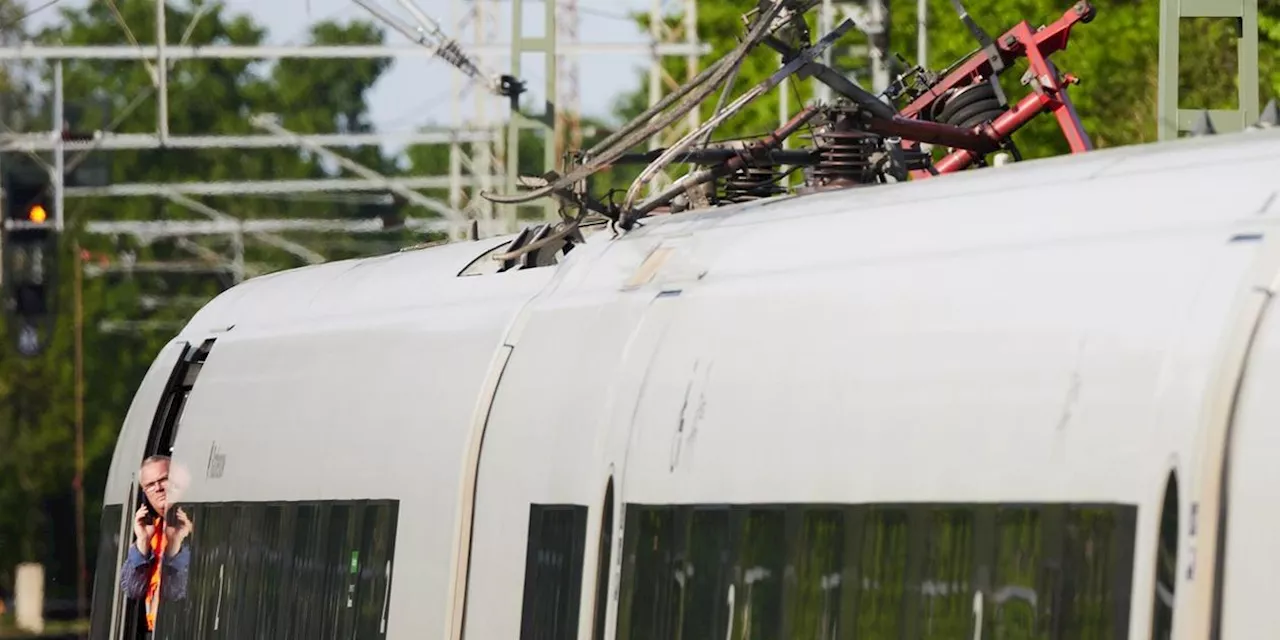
151	511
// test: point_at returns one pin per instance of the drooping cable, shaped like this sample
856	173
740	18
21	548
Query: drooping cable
690	101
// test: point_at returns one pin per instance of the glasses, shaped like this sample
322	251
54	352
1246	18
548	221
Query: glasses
152	486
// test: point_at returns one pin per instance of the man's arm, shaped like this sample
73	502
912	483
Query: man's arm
134	575
176	574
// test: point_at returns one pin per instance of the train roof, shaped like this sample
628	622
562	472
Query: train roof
435	277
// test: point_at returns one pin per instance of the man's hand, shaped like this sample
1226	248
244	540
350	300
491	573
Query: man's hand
143	529
175	536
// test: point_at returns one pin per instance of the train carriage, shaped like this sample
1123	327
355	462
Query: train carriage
1025	402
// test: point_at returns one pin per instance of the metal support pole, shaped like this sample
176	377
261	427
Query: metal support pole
245	188
691	59
826	22
317	52
455	174
568	106
237	265
149	230
662	35
2	200
784	104
655	65
476	164
881	56
470	162
922	33
82	569
544	122
59	150
162	74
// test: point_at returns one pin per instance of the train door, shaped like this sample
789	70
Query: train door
149	429
544	533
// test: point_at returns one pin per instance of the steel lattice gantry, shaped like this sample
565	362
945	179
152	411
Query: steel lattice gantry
1172	119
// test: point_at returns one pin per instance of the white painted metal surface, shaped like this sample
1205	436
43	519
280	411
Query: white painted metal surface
1253	477
137	423
1051	331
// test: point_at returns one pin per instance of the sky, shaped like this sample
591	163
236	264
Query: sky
416	90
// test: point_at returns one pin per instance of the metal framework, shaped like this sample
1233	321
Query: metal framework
569	108
872	19
681	34
332	52
1173	120
258	187
106	141
479	146
543	122
476	163
483	138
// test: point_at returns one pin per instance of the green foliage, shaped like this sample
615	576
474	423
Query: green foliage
720	25
205	96
1115	56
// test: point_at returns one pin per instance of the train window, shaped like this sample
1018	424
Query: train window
707	574
104	581
553	572
877	571
373	591
815	608
1017	598
264	570
946	589
761	562
269	575
1098	562
1166	564
884	573
648	570
602	562
340	549
164	429
210	572
244	590
306	580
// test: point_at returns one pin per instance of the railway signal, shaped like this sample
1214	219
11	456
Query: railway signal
27	247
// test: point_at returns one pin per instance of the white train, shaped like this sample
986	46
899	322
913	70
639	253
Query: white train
1026	402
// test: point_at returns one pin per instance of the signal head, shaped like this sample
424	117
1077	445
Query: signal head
37	214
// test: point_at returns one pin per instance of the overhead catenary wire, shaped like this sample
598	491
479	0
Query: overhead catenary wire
142	95
705	130
705	85
128	33
430	35
27	14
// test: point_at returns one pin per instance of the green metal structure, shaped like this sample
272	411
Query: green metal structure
520	121
1173	120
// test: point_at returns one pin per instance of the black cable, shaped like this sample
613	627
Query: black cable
722	68
28	14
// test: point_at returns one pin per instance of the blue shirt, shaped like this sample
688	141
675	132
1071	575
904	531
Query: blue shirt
136	574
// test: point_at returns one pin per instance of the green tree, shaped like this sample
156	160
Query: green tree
205	97
1116	57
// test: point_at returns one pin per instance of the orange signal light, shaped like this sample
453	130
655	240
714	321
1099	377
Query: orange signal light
37	214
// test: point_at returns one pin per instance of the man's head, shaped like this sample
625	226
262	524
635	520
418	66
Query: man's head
154	480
